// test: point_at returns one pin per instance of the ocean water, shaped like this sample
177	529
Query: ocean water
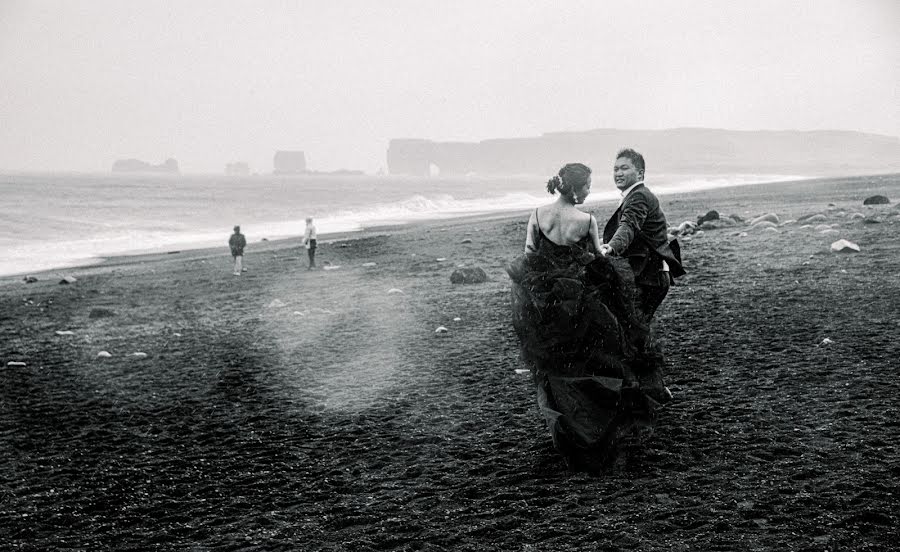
50	221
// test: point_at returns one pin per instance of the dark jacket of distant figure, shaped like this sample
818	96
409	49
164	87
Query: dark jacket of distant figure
237	243
638	232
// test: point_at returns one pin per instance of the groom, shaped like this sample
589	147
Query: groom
638	231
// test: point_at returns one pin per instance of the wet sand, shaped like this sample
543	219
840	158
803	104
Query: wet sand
295	410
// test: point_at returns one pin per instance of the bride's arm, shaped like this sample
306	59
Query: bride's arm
530	237
595	234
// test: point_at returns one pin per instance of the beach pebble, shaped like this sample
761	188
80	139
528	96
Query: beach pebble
768	217
100	312
441	259
826	341
369	264
103	354
395	290
844	246
15	364
805	226
441	330
686	227
331	267
177	334
68	280
29	279
855	216
275	304
876	200
65	332
829	231
742	235
709	216
457	319
139	354
468	276
764	224
298	313
467	240
521	371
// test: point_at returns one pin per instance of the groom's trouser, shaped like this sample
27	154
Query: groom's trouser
650	297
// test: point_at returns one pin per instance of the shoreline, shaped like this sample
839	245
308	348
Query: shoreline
120	259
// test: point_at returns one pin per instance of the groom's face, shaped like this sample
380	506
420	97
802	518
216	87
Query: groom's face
625	174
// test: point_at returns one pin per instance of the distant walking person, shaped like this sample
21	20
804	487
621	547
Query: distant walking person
309	240
237	243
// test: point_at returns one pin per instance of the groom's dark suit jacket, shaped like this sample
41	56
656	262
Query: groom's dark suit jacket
638	231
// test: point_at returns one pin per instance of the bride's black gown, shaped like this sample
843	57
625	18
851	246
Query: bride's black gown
586	347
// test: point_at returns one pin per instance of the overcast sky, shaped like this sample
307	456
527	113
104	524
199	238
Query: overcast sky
85	83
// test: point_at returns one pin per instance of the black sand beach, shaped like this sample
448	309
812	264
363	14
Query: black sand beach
295	410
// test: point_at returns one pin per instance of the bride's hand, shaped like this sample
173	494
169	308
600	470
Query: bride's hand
605	250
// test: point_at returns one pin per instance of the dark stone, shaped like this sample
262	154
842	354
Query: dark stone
100	312
30	279
876	200
710	215
468	276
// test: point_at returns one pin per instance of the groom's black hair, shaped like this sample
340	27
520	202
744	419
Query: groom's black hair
635	157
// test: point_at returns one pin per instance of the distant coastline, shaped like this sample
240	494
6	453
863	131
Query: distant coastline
679	150
169	166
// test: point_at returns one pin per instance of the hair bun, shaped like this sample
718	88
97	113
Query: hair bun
553	184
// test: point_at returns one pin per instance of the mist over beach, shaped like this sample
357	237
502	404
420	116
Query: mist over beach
263	275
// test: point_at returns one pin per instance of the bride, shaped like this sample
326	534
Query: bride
596	369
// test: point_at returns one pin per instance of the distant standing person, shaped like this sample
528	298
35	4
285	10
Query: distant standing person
237	243
638	231
309	240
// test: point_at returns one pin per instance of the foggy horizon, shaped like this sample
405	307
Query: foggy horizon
83	86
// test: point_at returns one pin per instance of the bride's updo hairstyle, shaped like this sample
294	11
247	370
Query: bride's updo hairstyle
570	178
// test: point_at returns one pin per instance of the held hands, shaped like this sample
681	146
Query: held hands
606	250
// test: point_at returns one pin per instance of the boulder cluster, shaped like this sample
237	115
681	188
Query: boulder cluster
824	223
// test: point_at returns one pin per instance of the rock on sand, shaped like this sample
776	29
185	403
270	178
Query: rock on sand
395	290
68	280
764	224
441	330
103	354
768	217
844	246
100	312
468	276
876	200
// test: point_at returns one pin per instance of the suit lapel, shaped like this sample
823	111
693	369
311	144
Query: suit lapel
612	225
